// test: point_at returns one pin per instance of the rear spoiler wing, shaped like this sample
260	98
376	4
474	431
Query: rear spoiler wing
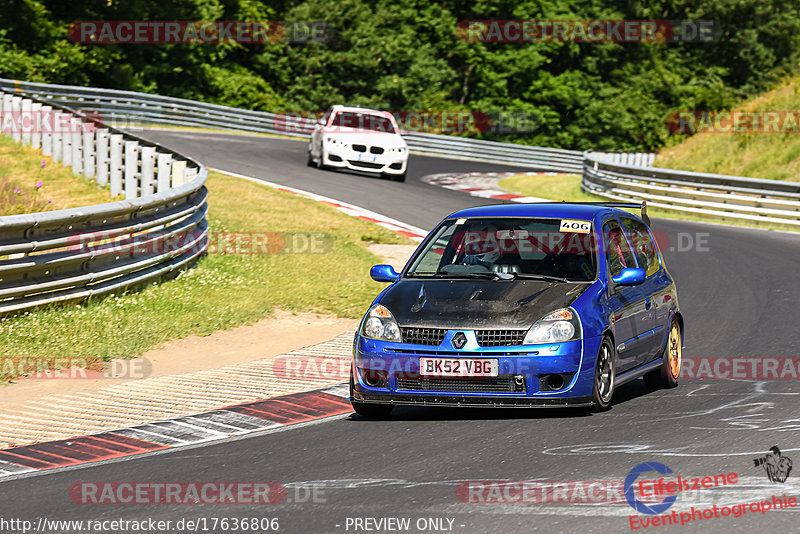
628	205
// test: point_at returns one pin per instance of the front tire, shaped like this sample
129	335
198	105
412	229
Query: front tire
309	159
604	377
321	161
667	375
368	409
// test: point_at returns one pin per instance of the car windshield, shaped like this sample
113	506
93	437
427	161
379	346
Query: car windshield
521	247
363	122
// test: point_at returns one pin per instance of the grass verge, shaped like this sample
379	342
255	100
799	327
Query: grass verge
30	182
224	290
568	188
765	154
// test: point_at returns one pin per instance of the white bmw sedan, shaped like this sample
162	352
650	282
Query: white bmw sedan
360	139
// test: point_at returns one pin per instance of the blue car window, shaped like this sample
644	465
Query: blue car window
643	245
618	252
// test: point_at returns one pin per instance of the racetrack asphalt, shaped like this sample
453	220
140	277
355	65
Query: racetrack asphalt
738	292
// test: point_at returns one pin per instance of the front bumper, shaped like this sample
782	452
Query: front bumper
532	364
345	157
471	401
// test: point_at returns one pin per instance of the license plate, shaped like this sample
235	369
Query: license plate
457	367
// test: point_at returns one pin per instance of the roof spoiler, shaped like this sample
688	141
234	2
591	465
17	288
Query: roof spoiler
629	205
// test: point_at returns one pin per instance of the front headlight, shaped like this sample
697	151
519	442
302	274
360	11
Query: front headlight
380	324
332	140
560	325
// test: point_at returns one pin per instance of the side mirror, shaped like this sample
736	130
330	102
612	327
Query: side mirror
630	277
386	273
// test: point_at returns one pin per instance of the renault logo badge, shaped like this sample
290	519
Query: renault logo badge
459	340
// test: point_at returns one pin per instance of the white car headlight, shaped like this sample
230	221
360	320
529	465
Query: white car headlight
555	327
380	324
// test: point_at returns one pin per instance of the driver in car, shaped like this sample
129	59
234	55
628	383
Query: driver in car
486	243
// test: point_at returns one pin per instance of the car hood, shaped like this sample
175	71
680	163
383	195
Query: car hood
482	304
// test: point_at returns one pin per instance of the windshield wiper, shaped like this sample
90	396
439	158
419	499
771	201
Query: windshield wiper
527	276
488	274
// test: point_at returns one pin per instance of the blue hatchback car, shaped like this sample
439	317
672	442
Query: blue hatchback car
551	304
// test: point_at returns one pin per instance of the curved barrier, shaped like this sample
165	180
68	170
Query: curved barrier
142	108
72	254
717	195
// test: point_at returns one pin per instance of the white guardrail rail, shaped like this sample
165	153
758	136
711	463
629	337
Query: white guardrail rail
129	108
73	254
732	198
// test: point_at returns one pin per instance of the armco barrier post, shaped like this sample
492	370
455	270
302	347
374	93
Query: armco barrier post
26	121
178	168
101	158
164	170
58	144
75	126
131	169
115	165
47	133
66	139
36	122
16	108
148	167
88	151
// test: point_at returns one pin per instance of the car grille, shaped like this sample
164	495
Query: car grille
366	164
499	338
376	150
360	148
494	384
423	336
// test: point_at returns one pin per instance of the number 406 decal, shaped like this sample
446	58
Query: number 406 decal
580	227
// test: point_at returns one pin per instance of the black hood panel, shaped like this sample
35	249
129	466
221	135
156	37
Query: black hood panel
477	304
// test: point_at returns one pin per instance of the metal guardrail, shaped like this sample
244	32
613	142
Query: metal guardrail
733	198
73	254
129	107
